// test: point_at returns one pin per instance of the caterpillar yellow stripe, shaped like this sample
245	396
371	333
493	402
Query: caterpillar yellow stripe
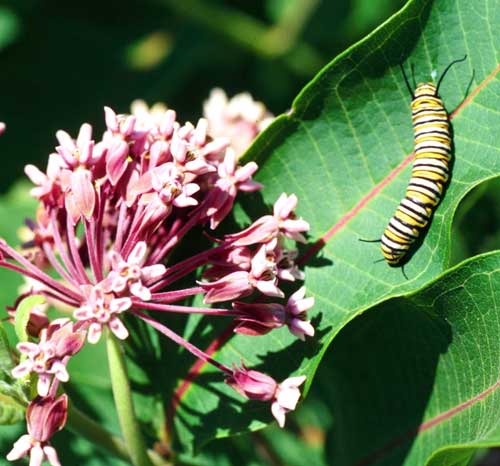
430	173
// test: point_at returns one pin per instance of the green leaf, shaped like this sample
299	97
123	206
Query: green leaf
9	27
415	381
23	312
345	149
6	362
10	410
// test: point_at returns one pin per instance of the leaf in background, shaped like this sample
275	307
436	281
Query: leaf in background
6	362
9	27
23	312
416	380
345	150
11	411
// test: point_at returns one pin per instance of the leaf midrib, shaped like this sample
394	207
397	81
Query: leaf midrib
427	425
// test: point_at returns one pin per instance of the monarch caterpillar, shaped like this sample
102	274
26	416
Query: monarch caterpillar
430	172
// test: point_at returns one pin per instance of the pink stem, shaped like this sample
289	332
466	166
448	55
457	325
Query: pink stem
121	226
54	293
184	343
72	244
133	232
92	250
172	296
175	237
98	228
57	266
63	299
181	309
63	251
186	266
35	272
156	256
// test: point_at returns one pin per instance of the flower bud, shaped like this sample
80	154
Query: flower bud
45	416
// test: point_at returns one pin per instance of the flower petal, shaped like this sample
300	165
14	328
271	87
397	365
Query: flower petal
117	327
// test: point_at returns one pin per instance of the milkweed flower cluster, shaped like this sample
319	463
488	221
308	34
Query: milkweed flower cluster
110	213
239	118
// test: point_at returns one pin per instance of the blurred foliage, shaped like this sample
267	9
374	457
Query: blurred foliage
477	222
66	60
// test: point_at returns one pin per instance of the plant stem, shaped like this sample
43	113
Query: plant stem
123	402
265	41
80	424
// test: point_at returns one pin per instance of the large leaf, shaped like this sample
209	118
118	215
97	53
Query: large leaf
345	150
416	380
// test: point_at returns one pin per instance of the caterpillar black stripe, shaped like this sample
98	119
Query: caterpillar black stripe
430	172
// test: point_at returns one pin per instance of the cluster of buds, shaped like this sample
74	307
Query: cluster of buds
111	212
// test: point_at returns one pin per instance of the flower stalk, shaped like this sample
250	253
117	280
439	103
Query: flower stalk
122	394
83	426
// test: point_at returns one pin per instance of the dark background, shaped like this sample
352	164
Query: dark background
61	61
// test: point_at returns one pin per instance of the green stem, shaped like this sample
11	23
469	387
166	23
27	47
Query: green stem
254	35
292	22
80	424
124	406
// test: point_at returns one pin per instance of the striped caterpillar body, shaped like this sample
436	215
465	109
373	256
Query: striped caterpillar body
429	174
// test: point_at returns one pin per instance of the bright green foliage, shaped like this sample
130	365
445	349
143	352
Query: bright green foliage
23	312
6	362
427	361
11	395
344	150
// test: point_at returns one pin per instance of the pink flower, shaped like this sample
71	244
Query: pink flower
228	261
269	227
166	184
120	126
252	384
297	308
231	180
261	387
112	212
48	185
81	196
286	398
120	140
149	118
185	149
48	357
258	319
45	417
80	152
285	260
131	274
240	118
262	276
231	286
101	309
